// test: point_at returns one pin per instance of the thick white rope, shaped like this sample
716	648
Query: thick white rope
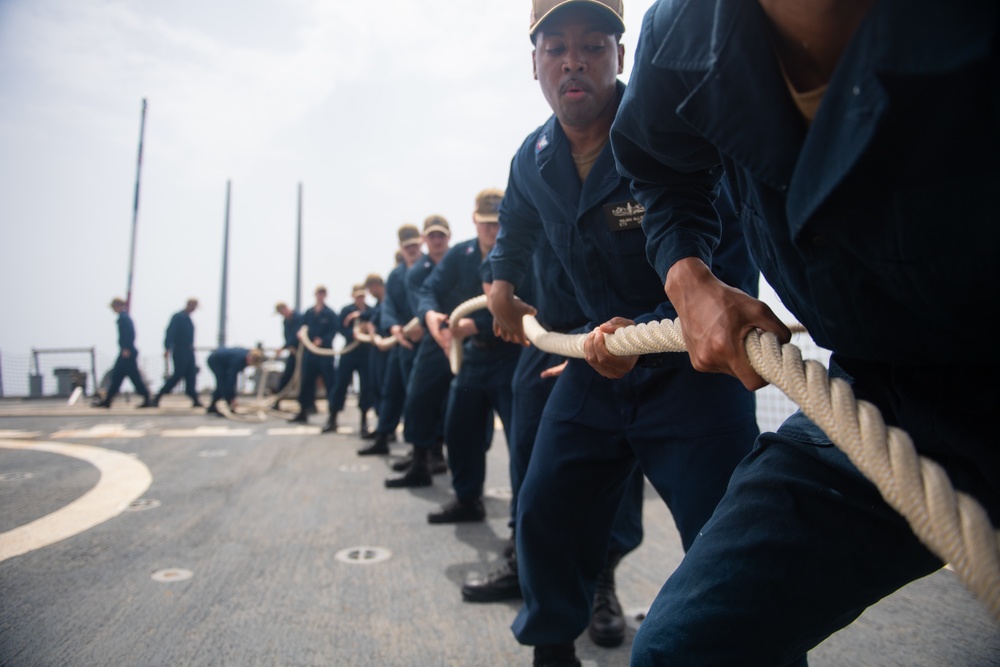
324	351
461	310
383	344
953	525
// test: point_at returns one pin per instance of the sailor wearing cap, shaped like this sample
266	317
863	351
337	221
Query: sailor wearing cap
395	313
427	389
483	384
377	359
686	431
354	361
322	327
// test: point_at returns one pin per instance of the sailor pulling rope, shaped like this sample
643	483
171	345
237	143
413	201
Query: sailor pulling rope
951	524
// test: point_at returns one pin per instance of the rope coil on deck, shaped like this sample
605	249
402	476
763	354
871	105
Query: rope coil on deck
953	525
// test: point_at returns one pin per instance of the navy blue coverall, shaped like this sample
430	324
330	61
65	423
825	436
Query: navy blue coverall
876	226
323	325
377	360
395	310
226	363
548	288
430	376
483	383
355	361
686	430
290	330
180	341
127	363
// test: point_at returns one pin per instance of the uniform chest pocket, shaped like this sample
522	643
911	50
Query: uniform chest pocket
627	243
559	235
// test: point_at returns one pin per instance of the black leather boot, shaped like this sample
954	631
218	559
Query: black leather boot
607	623
403	464
439	465
418	474
499	584
331	424
459	511
555	655
379	446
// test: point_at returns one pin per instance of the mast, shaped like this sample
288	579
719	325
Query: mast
225	273
135	208
298	257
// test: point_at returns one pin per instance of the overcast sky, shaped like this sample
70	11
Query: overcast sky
386	111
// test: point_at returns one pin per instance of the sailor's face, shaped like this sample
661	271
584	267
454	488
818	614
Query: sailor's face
577	63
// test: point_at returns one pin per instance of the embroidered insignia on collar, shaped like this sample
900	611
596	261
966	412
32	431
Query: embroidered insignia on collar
543	141
468	251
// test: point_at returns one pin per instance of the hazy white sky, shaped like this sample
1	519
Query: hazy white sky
385	110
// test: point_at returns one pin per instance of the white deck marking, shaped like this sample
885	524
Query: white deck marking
123	479
100	431
293	430
206	432
19	434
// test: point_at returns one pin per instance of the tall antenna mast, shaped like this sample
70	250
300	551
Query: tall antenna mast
298	257
135	208
225	274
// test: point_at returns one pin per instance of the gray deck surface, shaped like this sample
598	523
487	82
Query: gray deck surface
258	512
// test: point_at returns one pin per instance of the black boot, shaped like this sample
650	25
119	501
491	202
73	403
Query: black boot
439	465
607	623
499	584
363	426
106	403
300	418
418	474
510	546
147	402
459	511
555	655
403	464
379	446
331	424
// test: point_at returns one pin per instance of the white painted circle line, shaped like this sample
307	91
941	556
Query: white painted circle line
123	479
